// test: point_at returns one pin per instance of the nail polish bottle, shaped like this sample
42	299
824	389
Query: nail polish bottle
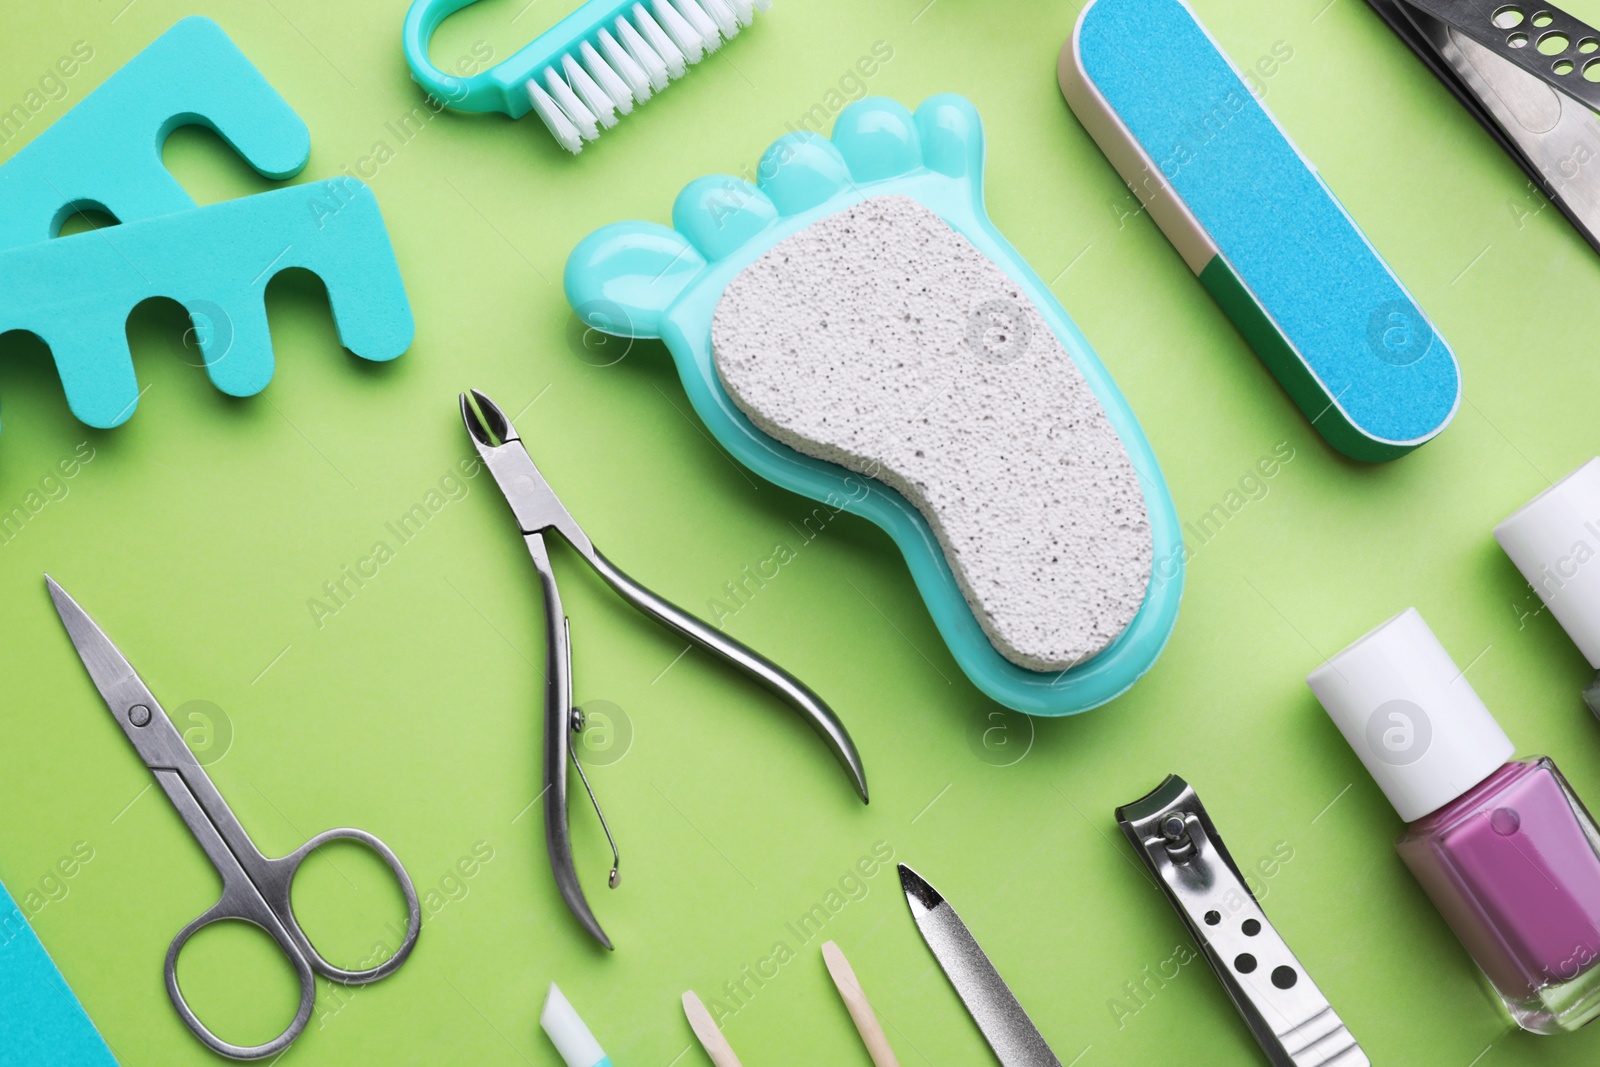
1503	847
1555	542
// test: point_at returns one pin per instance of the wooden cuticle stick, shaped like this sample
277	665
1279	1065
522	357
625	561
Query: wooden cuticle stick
705	1028
860	1009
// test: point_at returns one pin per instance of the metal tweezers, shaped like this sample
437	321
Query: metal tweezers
1523	70
538	510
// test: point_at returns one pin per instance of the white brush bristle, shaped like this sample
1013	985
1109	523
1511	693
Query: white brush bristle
580	95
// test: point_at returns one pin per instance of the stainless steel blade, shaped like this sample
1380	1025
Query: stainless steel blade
1011	1034
108	668
1557	135
1547	43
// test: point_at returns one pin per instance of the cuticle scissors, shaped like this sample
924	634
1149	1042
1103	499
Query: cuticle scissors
255	889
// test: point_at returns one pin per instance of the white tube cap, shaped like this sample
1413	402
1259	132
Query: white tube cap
1555	542
1411	716
568	1033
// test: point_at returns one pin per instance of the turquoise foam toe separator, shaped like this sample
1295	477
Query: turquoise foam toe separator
41	1022
642	279
75	293
105	153
1273	220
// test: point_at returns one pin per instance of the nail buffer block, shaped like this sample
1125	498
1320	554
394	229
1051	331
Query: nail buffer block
1259	227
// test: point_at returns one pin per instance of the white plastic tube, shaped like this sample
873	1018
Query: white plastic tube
568	1033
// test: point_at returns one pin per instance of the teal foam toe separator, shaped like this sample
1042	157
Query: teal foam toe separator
1384	372
105	153
642	279
41	1022
75	293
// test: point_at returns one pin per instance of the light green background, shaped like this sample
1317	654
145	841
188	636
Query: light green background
202	527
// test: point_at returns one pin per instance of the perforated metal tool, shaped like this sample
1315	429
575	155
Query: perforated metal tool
1287	1013
1530	73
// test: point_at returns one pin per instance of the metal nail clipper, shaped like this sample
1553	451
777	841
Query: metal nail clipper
1524	71
538	510
1287	1013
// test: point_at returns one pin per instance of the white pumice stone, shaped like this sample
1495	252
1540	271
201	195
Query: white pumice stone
881	340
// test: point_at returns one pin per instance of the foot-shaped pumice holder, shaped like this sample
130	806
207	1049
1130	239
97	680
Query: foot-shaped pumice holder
853	327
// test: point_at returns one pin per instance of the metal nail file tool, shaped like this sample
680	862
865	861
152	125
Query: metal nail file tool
1007	1028
1283	1007
1523	71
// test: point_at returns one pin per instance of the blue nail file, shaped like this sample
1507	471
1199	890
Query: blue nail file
192	75
41	1022
1256	223
75	293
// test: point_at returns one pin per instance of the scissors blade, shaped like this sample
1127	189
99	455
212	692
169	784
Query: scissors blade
154	737
108	668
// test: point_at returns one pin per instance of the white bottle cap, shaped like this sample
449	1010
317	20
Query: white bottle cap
568	1033
1411	716
1555	542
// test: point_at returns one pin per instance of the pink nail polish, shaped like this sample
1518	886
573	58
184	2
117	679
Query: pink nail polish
1504	848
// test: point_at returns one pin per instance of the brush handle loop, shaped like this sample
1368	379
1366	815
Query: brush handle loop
504	86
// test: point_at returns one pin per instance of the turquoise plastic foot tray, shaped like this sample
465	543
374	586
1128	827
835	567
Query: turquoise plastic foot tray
645	280
1253	219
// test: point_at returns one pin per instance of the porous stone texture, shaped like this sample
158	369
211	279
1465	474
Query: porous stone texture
881	340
